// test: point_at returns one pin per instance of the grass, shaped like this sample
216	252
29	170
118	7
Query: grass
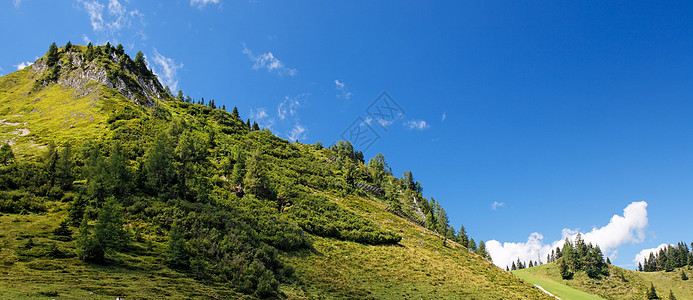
139	274
621	284
418	267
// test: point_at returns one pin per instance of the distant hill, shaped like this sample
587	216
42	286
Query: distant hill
620	284
111	185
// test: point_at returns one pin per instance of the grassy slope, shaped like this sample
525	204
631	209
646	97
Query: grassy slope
54	113
622	284
419	267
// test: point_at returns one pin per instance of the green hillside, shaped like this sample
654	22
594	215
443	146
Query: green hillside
111	186
621	284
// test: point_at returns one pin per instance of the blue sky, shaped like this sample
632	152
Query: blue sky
562	114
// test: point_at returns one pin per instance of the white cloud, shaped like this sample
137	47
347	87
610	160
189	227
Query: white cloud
628	228
269	62
645	253
497	204
167	70
342	91
288	107
442	119
202	3
111	17
417	124
22	65
297	133
17	3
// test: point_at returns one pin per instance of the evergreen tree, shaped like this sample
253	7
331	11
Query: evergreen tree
235	114
640	267
671	295
158	164
514	266
68	46
120	50
471	245
63	168
651	293
608	261
462	236
377	166
107	236
564	270
140	64
6	155
89	55
255	126
177	252
481	250
256	181
179	96
683	276
52	56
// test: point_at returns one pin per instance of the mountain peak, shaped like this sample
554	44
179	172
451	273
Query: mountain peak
75	66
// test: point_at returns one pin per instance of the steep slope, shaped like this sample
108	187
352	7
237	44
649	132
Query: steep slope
621	284
148	196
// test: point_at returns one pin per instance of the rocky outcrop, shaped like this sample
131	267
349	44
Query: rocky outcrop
76	72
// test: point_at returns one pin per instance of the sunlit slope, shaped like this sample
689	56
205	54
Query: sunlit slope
621	284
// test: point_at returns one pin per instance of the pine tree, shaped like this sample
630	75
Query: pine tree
651	293
640	267
564	270
6	155
608	261
68	46
256	127
235	114
177	252
462	236
514	266
140	64
471	245
255	180
671	295
683	276
52	55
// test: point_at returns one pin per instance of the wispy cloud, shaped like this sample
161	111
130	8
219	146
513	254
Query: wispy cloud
269	62
261	116
497	204
342	91
628	228
417	124
297	133
22	65
202	3
442	119
288	107
167	70
17	3
111	17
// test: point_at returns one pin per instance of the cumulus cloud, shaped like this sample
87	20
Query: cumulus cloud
22	65
202	3
628	228
167	70
497	204
645	253
297	133
269	62
417	124
342	91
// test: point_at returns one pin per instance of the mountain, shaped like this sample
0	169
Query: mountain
111	186
620	284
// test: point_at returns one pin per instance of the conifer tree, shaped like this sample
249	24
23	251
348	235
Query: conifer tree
671	295
6	155
255	180
236	115
651	293
52	55
683	276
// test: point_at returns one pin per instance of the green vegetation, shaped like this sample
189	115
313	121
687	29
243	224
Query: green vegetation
619	284
114	182
668	259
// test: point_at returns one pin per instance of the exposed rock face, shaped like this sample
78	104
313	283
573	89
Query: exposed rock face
78	72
